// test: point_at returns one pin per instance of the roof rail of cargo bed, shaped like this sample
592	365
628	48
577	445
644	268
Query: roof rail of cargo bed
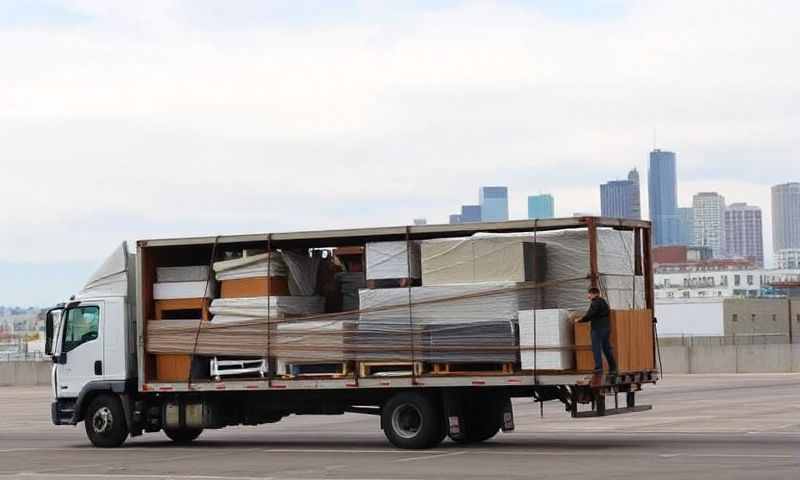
415	232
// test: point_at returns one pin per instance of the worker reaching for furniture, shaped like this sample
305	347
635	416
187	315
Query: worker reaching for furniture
598	315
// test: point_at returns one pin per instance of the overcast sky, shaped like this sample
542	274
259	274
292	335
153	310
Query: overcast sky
126	120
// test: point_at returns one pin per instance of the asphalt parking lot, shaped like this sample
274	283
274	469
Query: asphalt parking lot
702	426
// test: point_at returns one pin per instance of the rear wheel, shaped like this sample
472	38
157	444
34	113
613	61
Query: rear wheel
183	435
105	422
413	421
482	418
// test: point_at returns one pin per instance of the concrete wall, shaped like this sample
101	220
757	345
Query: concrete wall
749	316
777	358
25	373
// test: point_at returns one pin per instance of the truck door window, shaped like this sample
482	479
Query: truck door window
83	325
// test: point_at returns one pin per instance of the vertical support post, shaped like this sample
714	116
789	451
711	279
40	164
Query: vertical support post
269	308
637	261
648	268
637	251
791	333
410	317
648	286
594	276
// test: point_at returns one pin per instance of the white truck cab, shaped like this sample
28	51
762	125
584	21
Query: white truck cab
90	340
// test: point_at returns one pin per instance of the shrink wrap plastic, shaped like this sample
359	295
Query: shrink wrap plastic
255	307
249	267
178	290
388	260
547	331
470	322
197	273
303	271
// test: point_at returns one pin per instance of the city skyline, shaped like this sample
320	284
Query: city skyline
377	114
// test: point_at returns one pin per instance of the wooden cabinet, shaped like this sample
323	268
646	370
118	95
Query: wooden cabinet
631	339
176	367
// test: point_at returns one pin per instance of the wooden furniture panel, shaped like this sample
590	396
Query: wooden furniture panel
631	339
254	287
176	367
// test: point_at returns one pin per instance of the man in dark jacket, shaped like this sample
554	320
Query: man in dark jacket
598	315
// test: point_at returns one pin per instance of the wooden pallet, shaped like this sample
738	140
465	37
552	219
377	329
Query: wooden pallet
471	368
317	369
388	369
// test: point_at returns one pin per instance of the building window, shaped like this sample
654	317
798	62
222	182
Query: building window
774	318
749	279
753	317
737	280
735	317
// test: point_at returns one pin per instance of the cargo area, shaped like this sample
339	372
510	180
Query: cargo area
422	305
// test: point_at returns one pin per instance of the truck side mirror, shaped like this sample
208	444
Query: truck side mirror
48	334
51	326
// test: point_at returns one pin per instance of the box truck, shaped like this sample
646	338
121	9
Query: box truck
431	328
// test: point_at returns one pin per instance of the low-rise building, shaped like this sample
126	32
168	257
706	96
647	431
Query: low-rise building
742	317
718	278
788	258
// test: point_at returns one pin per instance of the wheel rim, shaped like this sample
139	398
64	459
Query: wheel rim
407	420
102	420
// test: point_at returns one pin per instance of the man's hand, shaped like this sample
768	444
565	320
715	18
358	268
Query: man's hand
575	317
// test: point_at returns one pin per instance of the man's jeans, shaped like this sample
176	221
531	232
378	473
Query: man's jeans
601	345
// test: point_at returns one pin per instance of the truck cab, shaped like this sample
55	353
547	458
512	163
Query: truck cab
89	338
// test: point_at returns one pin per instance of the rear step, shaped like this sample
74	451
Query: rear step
611	411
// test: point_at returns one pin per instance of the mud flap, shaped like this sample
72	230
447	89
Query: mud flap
508	416
453	414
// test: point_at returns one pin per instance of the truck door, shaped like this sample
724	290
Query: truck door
81	354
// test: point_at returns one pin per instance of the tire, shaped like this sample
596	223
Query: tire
482	420
183	435
478	429
412	421
105	422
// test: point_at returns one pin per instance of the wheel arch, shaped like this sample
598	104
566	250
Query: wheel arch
124	389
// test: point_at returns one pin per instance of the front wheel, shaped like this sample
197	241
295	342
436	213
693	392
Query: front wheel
183	435
105	422
413	421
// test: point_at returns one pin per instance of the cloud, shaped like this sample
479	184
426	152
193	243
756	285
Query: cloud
155	118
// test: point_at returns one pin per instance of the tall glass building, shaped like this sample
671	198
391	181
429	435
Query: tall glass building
620	198
786	216
470	213
686	226
663	194
541	206
494	204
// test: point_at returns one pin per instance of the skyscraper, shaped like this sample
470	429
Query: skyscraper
786	216
663	194
455	218
636	200
709	221
494	204
541	206
686	226
470	213
743	232
620	198
420	221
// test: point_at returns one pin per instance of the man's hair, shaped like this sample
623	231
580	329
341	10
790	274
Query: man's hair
594	291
